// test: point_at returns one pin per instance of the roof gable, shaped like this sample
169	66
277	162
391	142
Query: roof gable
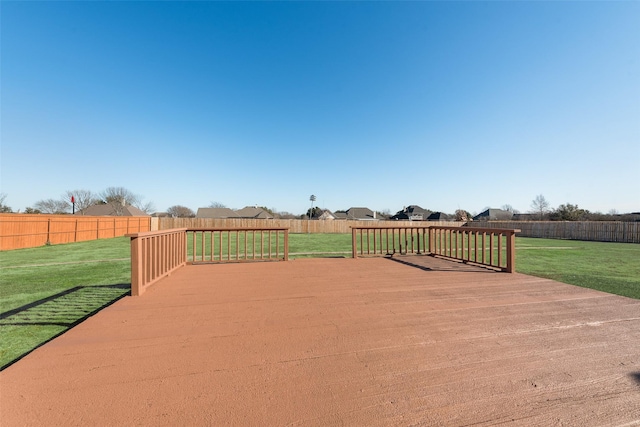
360	213
253	212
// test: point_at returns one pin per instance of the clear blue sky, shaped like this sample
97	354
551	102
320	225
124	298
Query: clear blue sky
445	105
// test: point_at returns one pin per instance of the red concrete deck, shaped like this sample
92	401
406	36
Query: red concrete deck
327	342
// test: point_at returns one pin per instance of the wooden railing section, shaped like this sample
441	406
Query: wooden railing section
209	245
492	247
388	240
154	255
483	246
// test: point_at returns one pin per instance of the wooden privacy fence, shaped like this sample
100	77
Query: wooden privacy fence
154	255
208	245
19	231
484	246
598	231
294	225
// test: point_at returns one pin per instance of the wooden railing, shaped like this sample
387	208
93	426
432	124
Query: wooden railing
207	245
388	240
484	246
154	255
492	247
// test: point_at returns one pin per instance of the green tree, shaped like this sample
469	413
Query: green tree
314	212
569	212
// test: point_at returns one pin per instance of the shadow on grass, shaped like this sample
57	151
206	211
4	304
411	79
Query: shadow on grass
65	309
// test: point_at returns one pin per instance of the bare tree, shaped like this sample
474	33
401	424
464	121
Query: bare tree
462	215
509	208
52	206
540	206
119	197
286	215
83	199
216	205
146	207
4	208
179	211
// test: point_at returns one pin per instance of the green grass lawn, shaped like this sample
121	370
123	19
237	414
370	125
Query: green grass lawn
85	277
608	267
31	275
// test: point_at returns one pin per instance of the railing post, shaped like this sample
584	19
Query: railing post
511	252
354	249
286	245
136	267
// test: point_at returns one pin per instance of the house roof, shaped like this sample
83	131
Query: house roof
253	212
494	215
360	214
108	210
340	215
437	216
412	212
326	214
216	213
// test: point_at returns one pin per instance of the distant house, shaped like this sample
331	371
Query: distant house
326	215
216	213
110	210
340	215
361	214
494	215
253	212
438	216
412	213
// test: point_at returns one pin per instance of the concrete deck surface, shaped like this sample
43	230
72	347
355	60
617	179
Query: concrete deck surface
340	342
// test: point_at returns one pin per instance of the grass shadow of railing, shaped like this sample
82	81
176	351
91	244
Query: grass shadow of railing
64	310
431	263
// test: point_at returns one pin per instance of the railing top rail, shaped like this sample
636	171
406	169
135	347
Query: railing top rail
481	229
156	233
239	229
